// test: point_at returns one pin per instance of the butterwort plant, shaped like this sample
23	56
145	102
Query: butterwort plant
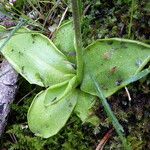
68	71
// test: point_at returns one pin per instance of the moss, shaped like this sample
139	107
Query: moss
103	19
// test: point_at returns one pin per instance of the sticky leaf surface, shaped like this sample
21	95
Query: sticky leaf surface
84	108
47	120
113	61
64	40
37	59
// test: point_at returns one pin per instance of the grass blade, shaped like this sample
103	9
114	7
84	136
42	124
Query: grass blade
118	127
18	26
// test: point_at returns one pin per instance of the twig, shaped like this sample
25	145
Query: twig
49	13
104	140
26	96
34	8
86	9
127	91
62	18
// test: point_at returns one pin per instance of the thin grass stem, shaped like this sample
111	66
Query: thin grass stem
118	127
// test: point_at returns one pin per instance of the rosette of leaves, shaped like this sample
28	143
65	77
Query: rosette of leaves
114	63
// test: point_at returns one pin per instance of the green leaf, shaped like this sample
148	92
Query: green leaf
59	91
84	108
37	59
112	62
47	120
64	40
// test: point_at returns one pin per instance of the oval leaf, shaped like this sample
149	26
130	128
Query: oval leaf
112	62
84	108
37	59
46	121
64	40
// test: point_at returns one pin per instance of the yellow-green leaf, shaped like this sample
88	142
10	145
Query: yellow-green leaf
47	120
112	62
37	59
64	40
84	108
